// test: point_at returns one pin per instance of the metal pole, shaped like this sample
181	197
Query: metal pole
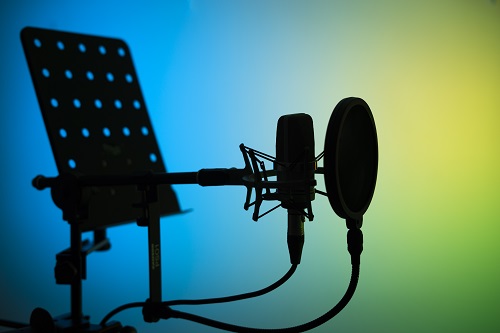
76	284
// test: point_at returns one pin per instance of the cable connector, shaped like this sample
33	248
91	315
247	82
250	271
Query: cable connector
355	245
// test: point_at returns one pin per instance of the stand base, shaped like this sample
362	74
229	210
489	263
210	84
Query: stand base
42	322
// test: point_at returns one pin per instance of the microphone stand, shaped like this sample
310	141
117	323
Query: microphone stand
70	193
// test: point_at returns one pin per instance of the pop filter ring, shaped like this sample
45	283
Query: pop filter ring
351	158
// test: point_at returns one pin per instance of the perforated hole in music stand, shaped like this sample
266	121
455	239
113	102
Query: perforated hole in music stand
95	117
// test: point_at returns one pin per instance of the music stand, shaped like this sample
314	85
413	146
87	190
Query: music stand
97	123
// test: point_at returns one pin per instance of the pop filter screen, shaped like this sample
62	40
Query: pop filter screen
351	158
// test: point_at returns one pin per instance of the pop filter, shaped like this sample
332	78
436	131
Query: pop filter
351	158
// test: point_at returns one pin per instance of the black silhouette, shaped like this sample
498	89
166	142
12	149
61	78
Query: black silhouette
111	172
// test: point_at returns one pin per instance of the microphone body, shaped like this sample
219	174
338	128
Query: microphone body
295	165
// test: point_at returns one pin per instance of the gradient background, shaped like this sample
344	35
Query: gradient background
219	73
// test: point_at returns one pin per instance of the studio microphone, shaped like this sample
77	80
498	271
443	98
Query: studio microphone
295	166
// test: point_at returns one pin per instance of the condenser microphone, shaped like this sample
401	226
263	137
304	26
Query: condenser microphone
295	166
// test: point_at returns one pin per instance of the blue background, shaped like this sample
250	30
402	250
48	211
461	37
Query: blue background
219	73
